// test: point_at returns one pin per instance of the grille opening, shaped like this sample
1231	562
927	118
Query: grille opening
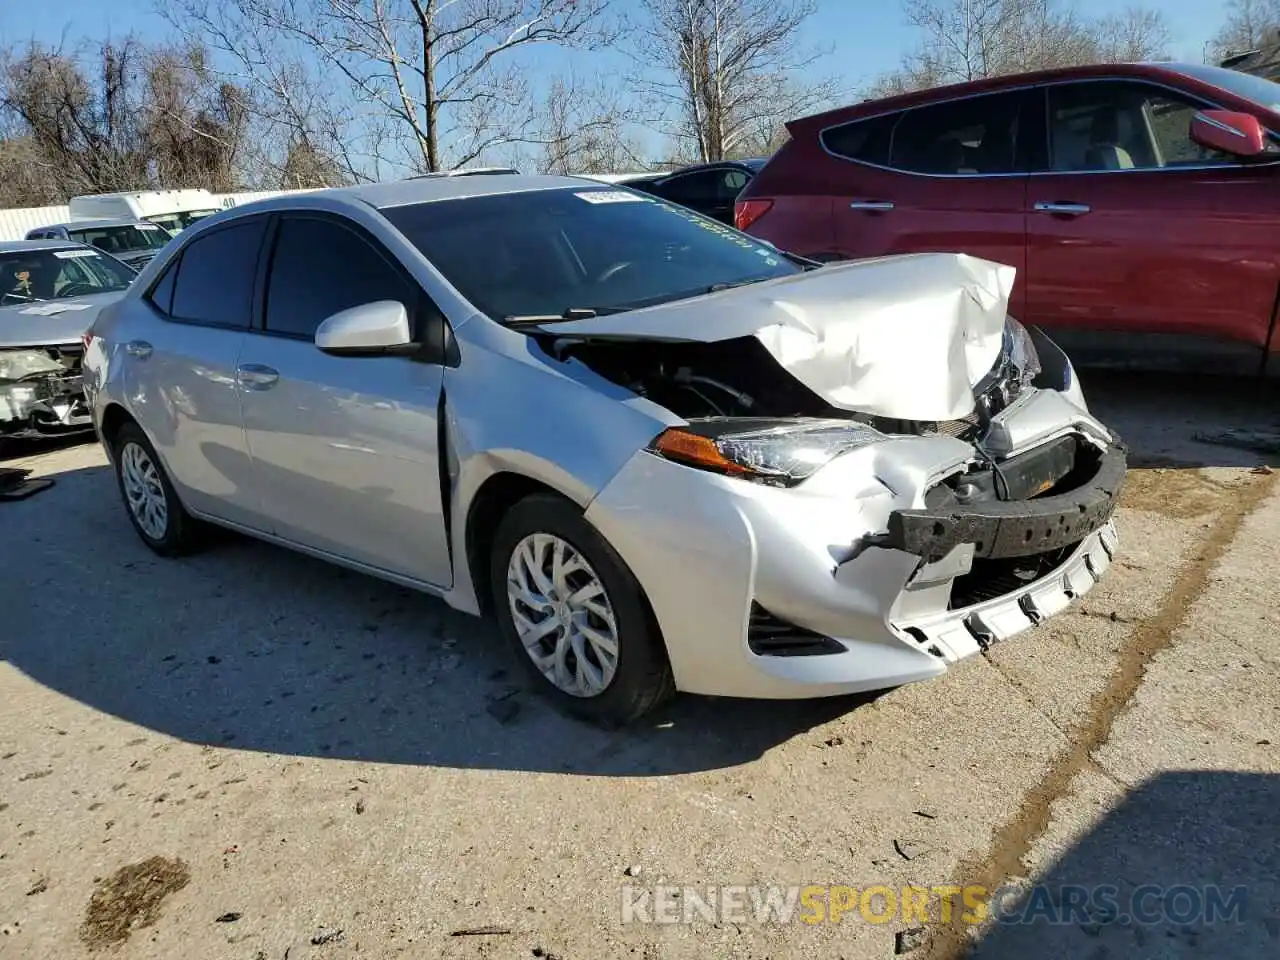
994	578
771	636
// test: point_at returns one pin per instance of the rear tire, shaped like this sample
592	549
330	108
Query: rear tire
149	498
574	615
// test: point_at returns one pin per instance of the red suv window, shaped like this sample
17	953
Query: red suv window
976	135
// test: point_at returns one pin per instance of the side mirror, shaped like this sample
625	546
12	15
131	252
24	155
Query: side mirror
372	328
1239	134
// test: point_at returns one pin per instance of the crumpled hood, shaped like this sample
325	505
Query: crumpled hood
906	337
46	323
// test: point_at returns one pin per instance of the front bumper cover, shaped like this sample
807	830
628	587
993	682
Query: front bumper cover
1014	528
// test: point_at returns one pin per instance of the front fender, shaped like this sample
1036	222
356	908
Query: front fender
511	408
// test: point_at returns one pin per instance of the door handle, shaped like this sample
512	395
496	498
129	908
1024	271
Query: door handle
138	348
256	376
1062	208
878	206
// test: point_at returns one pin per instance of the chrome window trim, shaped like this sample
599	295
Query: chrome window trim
1205	105
1224	127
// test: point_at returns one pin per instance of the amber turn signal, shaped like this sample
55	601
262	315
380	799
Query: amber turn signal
685	447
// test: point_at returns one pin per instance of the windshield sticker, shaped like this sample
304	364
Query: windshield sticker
611	196
50	309
146	226
74	254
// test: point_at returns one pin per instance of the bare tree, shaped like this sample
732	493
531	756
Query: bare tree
1249	25
84	122
117	115
447	74
963	40
584	128
195	126
713	71
1134	34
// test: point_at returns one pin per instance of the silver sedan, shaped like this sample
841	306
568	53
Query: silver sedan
666	456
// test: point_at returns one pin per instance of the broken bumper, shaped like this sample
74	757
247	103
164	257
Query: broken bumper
956	634
1015	528
784	593
43	408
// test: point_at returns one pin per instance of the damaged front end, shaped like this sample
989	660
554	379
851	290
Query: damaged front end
41	393
893	540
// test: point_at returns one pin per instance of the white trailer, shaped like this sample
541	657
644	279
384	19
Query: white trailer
172	209
229	200
14	224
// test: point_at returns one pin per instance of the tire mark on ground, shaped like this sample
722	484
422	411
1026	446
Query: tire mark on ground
1013	841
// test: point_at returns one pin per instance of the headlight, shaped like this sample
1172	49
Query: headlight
1013	371
1021	350
778	452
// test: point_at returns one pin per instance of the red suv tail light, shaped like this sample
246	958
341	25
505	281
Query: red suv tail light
747	212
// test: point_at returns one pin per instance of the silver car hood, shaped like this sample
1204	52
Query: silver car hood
47	323
906	337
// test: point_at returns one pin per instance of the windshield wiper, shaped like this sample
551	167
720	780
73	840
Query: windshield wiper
717	287
572	313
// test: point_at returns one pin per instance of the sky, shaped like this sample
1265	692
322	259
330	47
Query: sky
865	37
860	39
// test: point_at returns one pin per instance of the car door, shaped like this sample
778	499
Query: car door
345	449
1135	230
180	353
947	177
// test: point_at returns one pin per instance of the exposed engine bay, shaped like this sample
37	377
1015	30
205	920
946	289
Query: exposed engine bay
1012	506
41	393
740	378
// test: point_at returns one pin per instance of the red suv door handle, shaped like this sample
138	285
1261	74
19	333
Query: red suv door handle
879	206
1063	209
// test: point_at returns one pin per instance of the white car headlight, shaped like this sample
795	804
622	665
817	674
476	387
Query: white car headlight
1021	350
778	452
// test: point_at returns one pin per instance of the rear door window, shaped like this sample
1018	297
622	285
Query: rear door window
693	189
214	282
973	136
321	267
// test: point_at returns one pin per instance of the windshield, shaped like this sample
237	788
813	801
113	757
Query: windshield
126	238
1262	92
604	249
179	220
56	274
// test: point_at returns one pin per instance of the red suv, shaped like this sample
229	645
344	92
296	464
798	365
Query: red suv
1132	199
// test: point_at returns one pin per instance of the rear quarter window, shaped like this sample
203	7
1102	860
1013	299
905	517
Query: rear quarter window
161	295
867	141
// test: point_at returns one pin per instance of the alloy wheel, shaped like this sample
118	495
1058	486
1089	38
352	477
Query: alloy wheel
144	491
562	615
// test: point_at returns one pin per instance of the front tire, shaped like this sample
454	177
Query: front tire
574	615
149	498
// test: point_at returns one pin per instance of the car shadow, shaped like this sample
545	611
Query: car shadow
12	450
1188	420
253	646
1188	865
256	647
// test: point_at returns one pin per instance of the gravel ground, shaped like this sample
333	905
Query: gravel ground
252	755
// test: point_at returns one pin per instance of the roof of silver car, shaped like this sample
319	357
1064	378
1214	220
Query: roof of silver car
92	223
398	193
25	246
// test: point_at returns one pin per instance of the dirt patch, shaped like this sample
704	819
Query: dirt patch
1011	842
130	899
1179	493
